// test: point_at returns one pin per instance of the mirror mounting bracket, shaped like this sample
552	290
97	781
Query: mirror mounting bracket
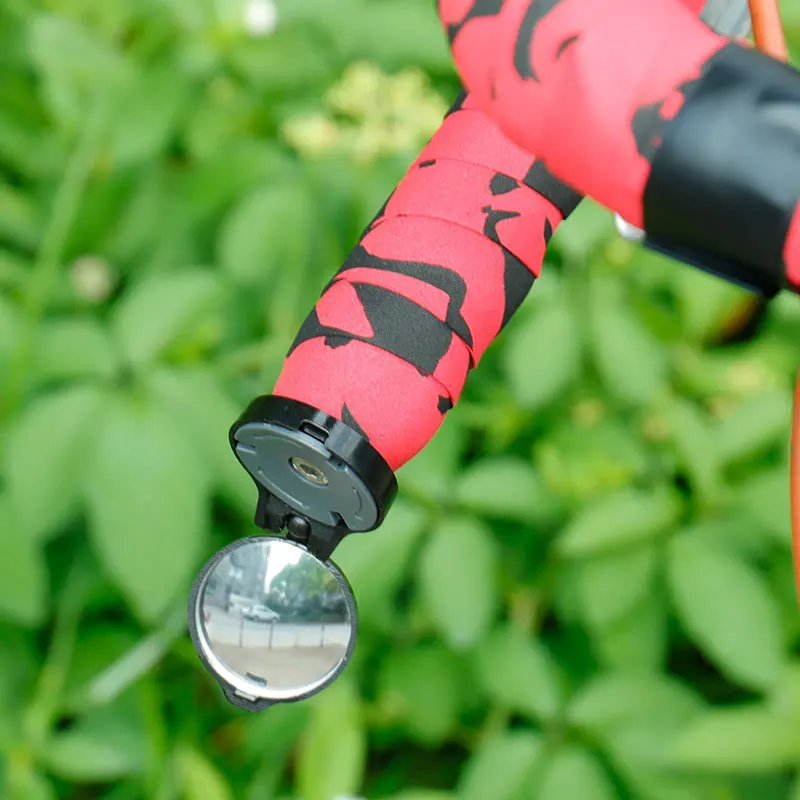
247	702
318	478
273	514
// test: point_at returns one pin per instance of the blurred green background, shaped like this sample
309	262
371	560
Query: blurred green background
585	589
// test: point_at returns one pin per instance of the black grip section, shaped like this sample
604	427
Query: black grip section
458	103
541	180
447	280
726	179
399	326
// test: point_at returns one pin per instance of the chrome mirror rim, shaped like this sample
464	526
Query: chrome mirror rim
238	690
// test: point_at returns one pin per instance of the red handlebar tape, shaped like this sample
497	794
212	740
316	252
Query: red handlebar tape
434	279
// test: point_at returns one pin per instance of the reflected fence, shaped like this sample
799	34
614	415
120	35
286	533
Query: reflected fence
228	629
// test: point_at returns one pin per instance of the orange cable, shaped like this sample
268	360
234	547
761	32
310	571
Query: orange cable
768	28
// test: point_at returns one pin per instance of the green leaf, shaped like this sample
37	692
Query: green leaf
377	564
783	588
138	231
97	649
222	117
268	230
584	230
9	328
519	673
706	302
617	697
581	463
757	424
610	584
726	607
149	112
503	487
74	348
771	786
618	520
736	740
764	498
631	362
148	504
31	785
200	779
458	580
574	772
501	767
108	19
637	640
27	149
24	586
273	736
76	64
565	602
105	745
394	33
422	688
191	17
19	218
423	794
200	405
694	443
20	661
538	375
156	312
791	19
785	695
46	456
293	63
432	473
659	783
332	754
232	172
734	532
585	461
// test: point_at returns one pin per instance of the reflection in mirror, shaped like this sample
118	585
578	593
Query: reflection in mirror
277	621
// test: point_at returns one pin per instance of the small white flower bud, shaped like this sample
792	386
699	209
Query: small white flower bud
260	17
91	278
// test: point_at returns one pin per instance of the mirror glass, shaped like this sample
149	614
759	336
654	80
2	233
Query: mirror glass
272	620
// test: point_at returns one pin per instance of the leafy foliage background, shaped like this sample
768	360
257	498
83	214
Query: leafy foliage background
585	589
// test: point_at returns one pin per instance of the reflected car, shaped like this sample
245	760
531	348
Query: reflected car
260	614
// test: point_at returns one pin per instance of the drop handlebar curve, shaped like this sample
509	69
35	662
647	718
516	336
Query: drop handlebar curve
444	265
697	145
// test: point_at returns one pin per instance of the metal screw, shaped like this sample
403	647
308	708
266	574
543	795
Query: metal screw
308	471
628	231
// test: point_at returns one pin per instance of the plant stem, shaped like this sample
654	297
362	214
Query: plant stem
44	275
52	678
138	661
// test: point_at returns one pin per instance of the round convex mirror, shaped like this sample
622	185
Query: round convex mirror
271	622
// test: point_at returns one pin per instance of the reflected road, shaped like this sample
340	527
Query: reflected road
287	655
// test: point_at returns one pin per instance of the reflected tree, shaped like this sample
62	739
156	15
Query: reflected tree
306	591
